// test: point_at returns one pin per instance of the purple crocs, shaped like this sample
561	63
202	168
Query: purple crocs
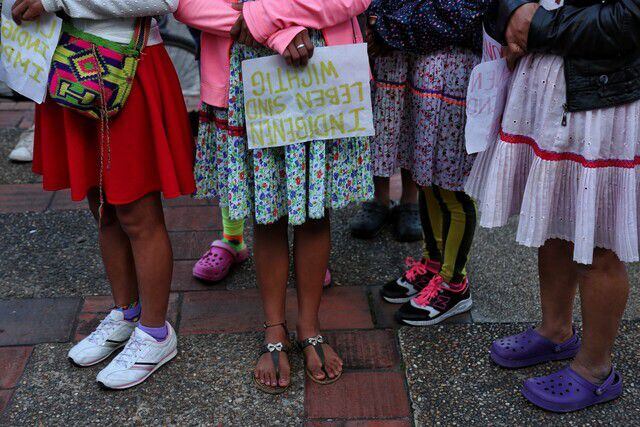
566	390
530	348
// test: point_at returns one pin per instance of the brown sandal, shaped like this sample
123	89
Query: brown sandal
274	349
316	342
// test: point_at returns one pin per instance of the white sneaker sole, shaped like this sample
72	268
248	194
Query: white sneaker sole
86	365
398	300
164	361
461	307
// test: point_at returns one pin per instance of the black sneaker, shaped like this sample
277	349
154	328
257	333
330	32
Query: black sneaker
436	302
417	276
369	221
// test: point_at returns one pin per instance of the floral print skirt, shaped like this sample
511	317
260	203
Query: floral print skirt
419	115
299	181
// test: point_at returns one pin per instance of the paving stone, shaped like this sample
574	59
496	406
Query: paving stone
453	381
240	311
188	218
187	201
32	321
384	312
372	349
12	172
190	245
62	201
504	279
358	395
5	397
50	254
208	383
183	279
95	309
360	423
23	198
12	363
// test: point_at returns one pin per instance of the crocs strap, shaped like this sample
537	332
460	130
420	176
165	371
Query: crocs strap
607	383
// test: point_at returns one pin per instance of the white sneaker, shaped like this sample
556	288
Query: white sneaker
141	357
23	151
112	333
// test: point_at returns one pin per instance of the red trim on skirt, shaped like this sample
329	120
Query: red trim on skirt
152	148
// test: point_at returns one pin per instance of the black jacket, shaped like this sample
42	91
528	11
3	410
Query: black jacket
600	42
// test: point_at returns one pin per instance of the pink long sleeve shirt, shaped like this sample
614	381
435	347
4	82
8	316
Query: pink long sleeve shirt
273	23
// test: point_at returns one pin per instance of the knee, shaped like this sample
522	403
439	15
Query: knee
135	223
605	262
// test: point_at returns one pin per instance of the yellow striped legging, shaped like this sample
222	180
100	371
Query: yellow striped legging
449	223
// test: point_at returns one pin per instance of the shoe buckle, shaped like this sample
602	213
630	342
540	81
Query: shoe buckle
599	391
557	349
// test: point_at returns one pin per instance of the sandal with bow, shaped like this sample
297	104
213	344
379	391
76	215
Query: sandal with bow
317	342
274	349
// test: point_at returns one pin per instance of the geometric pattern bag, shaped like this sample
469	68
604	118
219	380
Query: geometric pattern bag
92	75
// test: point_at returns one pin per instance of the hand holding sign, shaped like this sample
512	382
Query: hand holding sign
330	98
26	10
27	49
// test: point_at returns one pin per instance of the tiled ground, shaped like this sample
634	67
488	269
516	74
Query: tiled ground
53	291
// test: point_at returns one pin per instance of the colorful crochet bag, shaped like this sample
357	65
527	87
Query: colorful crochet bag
92	75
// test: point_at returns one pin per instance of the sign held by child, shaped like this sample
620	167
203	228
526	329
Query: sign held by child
330	98
26	52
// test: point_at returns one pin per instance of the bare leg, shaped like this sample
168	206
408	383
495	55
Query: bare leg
312	245
381	190
409	188
604	289
143	223
117	256
558	285
271	255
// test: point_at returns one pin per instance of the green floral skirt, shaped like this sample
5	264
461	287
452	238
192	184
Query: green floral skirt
299	181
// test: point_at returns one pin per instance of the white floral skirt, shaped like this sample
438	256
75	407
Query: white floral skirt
577	182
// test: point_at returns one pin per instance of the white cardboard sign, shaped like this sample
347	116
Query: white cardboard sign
330	98
27	51
486	97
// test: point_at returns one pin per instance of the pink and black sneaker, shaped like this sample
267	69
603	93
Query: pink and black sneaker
436	302
417	276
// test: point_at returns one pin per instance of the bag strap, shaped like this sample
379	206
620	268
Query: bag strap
141	33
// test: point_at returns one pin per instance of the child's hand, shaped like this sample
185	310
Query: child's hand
26	10
300	50
240	32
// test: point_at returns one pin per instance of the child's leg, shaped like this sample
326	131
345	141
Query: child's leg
431	219
558	285
458	228
381	189
117	256
604	289
271	255
312	244
409	187
143	223
232	230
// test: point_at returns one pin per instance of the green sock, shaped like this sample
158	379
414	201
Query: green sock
232	230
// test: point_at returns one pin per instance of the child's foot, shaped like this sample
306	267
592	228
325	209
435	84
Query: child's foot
418	275
436	302
141	357
272	373
321	362
406	222
216	263
111	334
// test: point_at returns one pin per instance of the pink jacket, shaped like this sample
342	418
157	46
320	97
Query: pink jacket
274	23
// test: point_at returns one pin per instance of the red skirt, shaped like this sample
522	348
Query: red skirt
151	145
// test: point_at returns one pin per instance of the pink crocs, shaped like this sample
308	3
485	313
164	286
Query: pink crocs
216	263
